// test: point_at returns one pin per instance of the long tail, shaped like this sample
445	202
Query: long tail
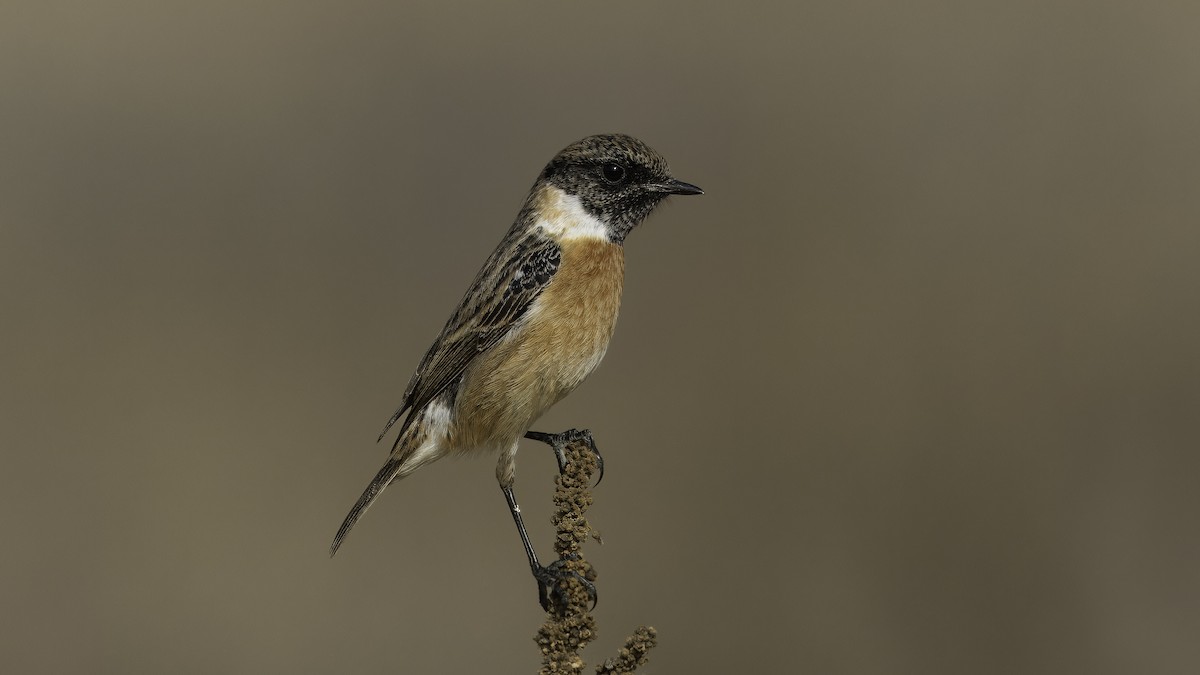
388	473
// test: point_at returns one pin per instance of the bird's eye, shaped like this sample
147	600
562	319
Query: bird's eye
613	172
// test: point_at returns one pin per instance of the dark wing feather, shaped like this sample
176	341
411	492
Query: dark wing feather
512	279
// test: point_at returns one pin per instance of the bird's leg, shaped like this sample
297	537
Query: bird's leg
550	591
558	442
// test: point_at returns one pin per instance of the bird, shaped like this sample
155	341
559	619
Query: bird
535	322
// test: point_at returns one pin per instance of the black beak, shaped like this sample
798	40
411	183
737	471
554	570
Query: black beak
678	187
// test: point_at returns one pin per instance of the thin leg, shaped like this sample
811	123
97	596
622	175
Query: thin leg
559	441
549	592
516	514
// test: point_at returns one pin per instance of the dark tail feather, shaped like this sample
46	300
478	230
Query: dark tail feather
381	480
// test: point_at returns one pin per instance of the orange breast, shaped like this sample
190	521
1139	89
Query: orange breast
562	340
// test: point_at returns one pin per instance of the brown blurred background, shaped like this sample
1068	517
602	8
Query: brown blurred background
913	389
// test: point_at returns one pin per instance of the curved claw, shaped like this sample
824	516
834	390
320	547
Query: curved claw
558	442
551	593
599	466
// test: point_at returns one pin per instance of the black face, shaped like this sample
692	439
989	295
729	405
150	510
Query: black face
618	179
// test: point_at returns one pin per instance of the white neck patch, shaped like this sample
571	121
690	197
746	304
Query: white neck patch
562	216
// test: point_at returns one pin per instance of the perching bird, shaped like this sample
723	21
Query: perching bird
535	322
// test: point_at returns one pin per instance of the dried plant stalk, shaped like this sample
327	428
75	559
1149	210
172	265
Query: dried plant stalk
570	626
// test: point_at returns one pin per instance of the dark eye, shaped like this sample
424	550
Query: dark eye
613	172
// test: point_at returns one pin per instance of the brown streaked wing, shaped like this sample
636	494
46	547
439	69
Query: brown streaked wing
501	294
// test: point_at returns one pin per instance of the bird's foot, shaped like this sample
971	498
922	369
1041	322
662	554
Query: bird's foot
555	589
559	442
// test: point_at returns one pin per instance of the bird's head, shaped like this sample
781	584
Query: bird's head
616	178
